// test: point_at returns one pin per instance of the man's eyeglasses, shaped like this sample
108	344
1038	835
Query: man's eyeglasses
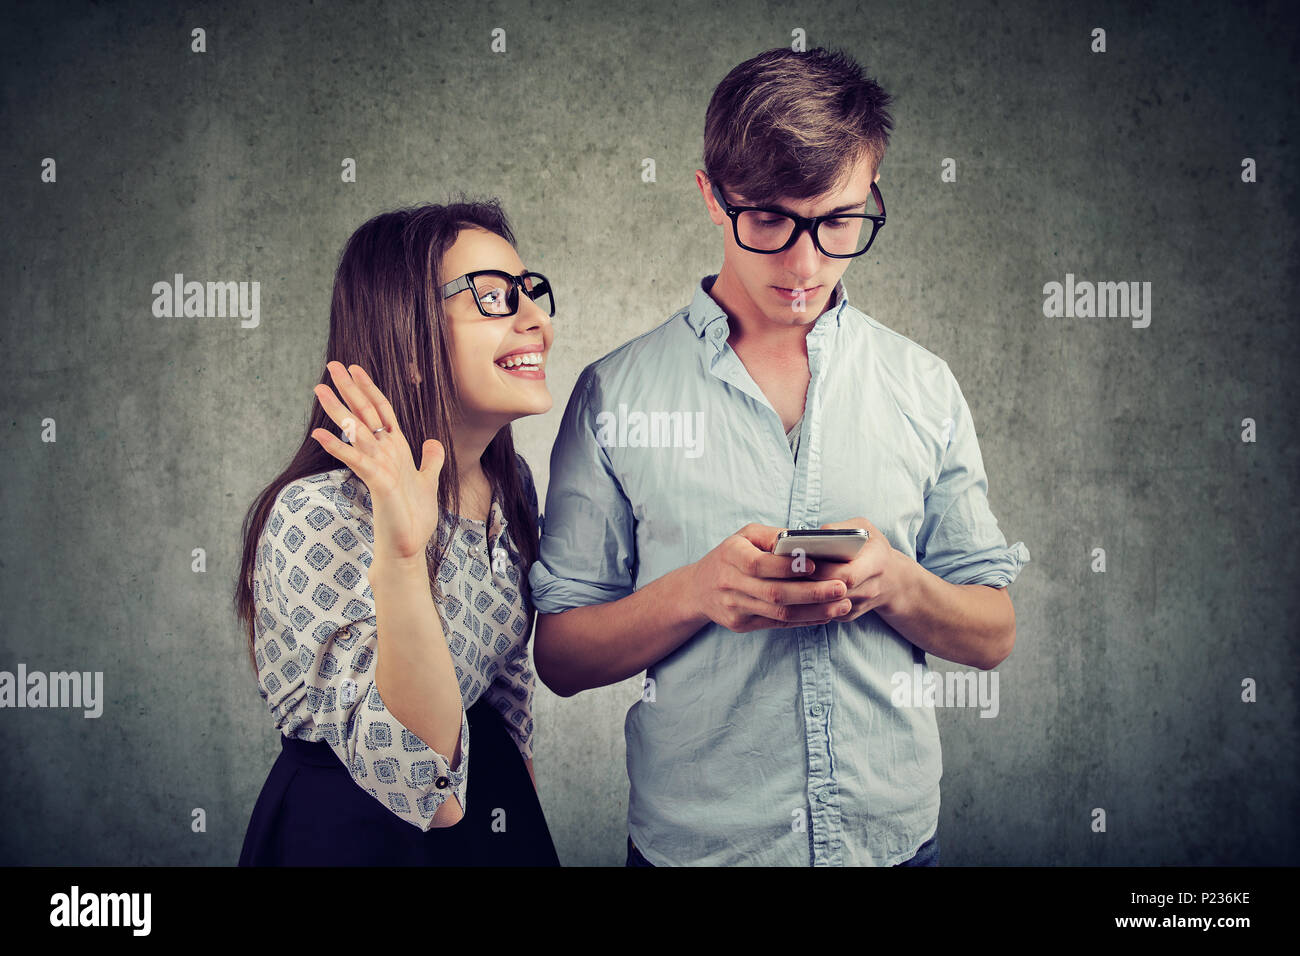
496	293
840	235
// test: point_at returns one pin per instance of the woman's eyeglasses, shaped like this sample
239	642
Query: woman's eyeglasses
497	293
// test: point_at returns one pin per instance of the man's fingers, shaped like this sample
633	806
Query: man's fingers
828	570
755	559
794	612
773	592
780	566
761	536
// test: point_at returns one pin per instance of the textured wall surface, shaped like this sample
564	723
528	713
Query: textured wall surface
1125	688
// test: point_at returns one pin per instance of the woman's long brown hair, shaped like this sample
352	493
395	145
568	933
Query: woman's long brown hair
386	317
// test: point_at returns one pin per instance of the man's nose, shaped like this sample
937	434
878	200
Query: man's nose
803	258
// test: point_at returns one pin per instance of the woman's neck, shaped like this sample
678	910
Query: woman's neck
472	481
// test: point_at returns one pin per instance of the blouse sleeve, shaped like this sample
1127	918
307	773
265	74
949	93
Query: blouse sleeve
511	695
315	638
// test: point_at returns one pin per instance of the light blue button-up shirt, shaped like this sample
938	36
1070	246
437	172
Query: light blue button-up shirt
781	746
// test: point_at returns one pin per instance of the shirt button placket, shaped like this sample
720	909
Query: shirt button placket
816	744
827	837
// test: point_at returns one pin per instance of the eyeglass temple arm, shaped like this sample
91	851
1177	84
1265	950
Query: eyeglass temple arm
454	286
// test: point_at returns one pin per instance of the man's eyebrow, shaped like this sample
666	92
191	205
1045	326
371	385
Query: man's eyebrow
844	208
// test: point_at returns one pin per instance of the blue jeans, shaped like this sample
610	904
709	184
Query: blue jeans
926	855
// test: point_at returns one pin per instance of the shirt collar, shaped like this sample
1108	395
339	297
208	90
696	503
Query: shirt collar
706	317
496	519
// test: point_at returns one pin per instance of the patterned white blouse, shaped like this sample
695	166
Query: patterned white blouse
316	634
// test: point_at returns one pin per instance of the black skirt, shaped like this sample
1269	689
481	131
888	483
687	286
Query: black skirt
312	813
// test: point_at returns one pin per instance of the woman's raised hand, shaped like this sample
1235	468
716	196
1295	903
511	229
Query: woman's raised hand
404	498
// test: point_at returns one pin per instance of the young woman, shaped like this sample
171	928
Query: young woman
386	600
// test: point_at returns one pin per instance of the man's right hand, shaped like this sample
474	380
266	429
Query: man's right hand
742	586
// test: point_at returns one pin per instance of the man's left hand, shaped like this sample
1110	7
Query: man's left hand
875	578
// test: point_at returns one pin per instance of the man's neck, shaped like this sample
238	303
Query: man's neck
751	329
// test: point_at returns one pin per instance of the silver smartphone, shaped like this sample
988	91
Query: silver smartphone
823	544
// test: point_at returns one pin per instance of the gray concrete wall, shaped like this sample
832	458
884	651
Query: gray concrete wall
1125	688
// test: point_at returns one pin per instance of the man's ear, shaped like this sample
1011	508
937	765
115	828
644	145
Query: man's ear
710	203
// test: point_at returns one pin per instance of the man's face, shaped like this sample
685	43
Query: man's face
769	286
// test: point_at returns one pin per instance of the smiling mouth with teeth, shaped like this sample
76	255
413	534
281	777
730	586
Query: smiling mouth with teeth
529	360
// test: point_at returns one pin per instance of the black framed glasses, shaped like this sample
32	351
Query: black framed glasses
496	293
840	235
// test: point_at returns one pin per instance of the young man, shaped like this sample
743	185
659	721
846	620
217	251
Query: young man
766	733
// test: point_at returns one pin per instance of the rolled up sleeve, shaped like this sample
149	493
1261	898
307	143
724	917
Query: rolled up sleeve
959	539
316	636
587	550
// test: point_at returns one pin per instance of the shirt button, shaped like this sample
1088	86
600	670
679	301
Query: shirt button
822	796
442	783
815	710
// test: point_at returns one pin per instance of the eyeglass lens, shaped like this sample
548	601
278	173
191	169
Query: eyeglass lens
499	295
844	235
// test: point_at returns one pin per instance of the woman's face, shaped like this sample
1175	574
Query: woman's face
491	395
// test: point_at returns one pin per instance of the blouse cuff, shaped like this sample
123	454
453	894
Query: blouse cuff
436	777
457	778
411	778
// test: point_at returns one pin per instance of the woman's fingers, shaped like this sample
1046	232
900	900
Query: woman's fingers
356	398
367	410
361	410
432	458
353	426
381	404
343	452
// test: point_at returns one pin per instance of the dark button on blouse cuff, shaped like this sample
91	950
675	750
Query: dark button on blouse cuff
442	783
